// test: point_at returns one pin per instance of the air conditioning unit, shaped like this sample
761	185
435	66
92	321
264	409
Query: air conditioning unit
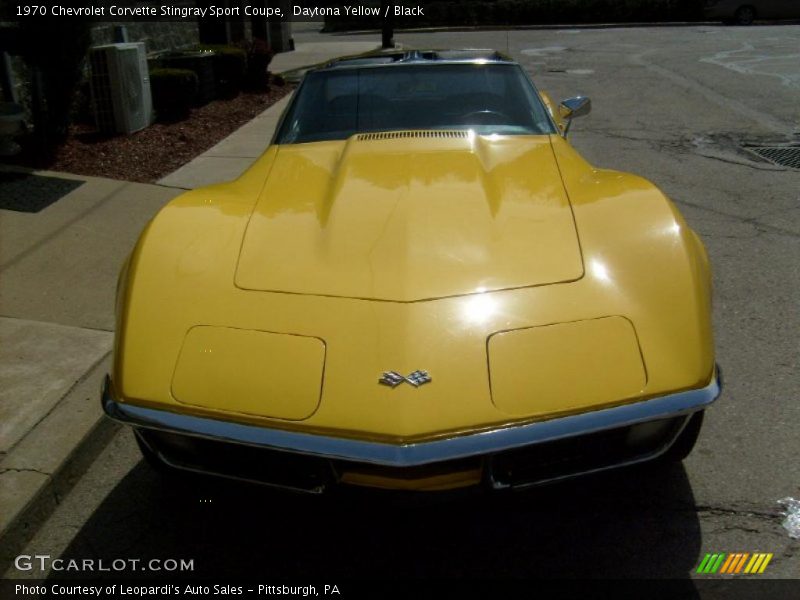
120	85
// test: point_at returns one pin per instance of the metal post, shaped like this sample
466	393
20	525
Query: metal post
7	78
387	29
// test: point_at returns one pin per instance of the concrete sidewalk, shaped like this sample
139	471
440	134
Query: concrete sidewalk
306	54
230	157
233	155
58	272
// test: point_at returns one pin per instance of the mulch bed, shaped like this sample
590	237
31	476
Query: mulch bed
158	150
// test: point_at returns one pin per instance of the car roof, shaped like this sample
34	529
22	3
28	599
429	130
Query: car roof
417	57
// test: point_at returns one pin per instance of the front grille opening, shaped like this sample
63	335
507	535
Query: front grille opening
393	135
263	465
299	472
562	458
517	468
784	156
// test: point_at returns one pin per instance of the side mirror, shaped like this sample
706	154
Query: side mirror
574	107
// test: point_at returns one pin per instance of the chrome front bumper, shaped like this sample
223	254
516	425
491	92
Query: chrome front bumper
417	453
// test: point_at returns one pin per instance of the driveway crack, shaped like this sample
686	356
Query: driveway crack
15	470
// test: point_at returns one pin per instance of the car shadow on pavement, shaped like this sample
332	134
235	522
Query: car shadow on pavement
633	523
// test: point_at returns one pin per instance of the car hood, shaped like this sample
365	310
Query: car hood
411	216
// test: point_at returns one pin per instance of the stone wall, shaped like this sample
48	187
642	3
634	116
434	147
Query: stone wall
157	35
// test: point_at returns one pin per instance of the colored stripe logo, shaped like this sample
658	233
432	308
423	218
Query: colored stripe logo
734	563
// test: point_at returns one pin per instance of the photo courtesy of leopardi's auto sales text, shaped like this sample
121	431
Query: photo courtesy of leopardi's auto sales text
140	590
399	299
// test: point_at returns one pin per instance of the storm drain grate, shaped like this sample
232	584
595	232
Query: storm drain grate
785	156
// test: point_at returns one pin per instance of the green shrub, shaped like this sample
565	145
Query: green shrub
230	66
173	92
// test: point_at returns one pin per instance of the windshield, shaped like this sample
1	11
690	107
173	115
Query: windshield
487	98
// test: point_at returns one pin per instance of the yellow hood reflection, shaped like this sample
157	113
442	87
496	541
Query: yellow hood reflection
411	219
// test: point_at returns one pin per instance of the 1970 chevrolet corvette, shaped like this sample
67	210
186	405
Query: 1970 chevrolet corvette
419	285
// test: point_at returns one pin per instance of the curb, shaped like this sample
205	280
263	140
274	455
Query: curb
552	26
544	26
297	72
50	459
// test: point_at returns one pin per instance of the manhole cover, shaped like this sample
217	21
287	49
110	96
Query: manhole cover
785	156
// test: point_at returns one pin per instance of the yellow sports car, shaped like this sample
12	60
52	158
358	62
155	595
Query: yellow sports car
419	285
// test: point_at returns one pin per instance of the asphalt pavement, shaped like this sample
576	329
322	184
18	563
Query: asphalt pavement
680	106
